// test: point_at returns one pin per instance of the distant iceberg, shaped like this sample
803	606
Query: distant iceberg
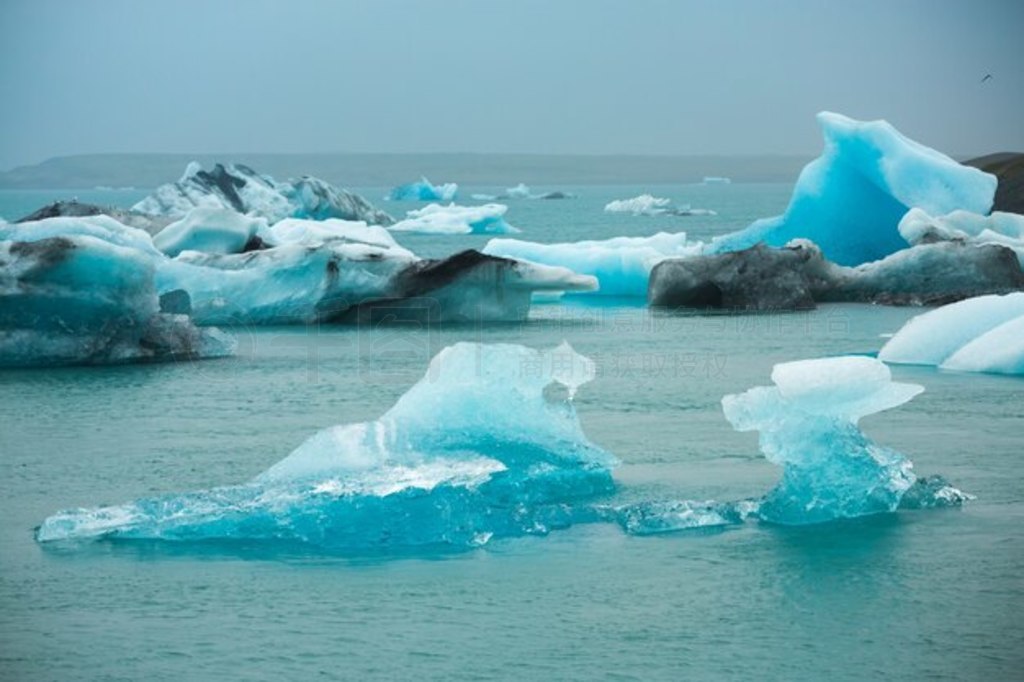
509	459
851	199
423	190
453	219
242	189
621	265
649	205
716	180
521	191
983	334
82	291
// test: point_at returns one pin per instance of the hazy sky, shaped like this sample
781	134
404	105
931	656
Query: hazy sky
587	76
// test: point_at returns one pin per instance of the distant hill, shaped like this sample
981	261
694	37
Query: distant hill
385	170
1009	168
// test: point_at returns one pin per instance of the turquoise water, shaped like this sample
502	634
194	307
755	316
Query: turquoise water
914	595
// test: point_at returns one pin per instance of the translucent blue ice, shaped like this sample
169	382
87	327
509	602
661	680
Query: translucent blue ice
487	444
849	201
424	190
82	290
621	265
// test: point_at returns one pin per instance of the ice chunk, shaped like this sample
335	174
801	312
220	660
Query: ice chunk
716	180
851	199
621	265
81	291
210	230
645	204
242	189
453	219
423	190
979	334
808	425
77	209
1005	229
478	448
314	233
520	191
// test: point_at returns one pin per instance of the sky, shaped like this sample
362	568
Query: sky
549	76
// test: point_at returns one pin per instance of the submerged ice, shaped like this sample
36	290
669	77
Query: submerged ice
510	459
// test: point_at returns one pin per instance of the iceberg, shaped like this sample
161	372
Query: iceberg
423	190
1005	229
453	219
621	265
982	334
210	230
481	447
851	199
649	205
240	188
830	470
520	191
77	209
808	426
82	291
798	276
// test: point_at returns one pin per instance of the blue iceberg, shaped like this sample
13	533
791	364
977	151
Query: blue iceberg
424	190
980	334
510	459
83	291
830	469
850	200
622	265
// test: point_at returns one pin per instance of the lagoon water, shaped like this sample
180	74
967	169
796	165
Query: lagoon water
908	596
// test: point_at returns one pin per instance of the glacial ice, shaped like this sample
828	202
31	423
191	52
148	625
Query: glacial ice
808	426
646	204
851	199
454	219
82	291
982	334
423	190
244	190
520	191
210	230
1005	229
621	265
510	459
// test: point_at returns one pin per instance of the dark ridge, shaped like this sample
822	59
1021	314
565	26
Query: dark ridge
65	208
428	275
1009	168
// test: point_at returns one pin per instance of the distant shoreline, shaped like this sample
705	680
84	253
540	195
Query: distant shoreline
383	170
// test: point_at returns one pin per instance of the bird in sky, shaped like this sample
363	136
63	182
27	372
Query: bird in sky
987	77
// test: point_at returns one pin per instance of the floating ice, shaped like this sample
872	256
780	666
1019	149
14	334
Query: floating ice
423	190
453	219
716	180
808	425
242	189
982	334
1005	229
621	265
210	230
81	291
479	448
649	205
520	191
851	199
